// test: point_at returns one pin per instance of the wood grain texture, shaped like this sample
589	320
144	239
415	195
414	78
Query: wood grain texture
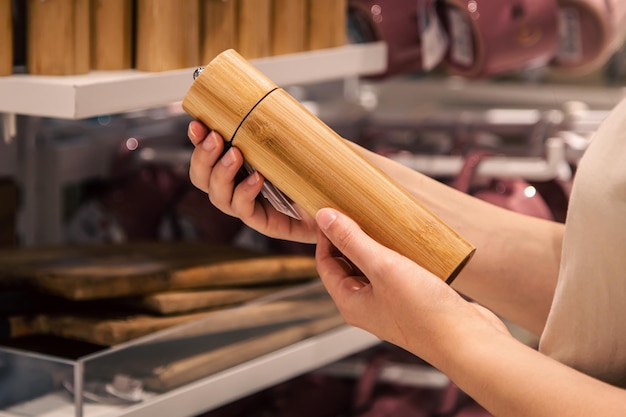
114	271
327	23
112	34
168	34
289	26
112	329
189	369
227	98
177	302
58	38
6	38
254	24
316	168
218	28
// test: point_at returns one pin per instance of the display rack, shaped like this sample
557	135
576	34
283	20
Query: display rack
113	92
108	92
218	389
255	375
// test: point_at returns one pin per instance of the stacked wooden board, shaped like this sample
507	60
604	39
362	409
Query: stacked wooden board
110	294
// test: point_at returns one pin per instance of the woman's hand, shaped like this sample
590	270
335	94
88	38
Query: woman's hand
390	296
215	174
406	305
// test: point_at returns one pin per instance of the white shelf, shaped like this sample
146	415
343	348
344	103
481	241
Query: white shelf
256	375
221	388
109	92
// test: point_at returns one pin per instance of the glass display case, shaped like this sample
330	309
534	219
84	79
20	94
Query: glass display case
189	368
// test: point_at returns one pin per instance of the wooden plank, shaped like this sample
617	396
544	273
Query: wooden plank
187	301
187	370
114	271
111	330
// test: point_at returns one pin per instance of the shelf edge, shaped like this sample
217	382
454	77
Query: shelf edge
98	93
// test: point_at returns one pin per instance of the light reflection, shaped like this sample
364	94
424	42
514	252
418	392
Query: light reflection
104	120
132	144
530	191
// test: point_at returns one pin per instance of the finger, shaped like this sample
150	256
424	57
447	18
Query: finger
245	202
355	244
203	159
223	179
336	273
196	131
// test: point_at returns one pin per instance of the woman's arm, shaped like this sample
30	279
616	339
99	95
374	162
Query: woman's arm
406	305
515	268
510	379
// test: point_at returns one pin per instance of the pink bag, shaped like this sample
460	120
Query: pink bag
143	196
513	194
489	37
373	400
392	21
591	30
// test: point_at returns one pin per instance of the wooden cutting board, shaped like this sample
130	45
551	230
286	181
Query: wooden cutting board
113	271
112	330
184	371
177	302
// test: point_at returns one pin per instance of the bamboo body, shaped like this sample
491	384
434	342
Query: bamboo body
254	24
111	38
58	39
219	28
327	23
315	167
6	38
168	34
289	26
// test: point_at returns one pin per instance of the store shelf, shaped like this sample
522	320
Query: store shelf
256	375
108	92
221	388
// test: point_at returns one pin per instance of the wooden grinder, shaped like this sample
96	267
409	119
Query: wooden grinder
314	166
218	27
111	34
6	38
58	37
167	35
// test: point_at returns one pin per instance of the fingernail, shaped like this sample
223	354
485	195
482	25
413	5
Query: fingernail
191	133
228	159
253	179
325	217
210	142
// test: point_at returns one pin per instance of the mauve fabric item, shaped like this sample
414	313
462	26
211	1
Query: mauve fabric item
591	31
396	23
491	37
